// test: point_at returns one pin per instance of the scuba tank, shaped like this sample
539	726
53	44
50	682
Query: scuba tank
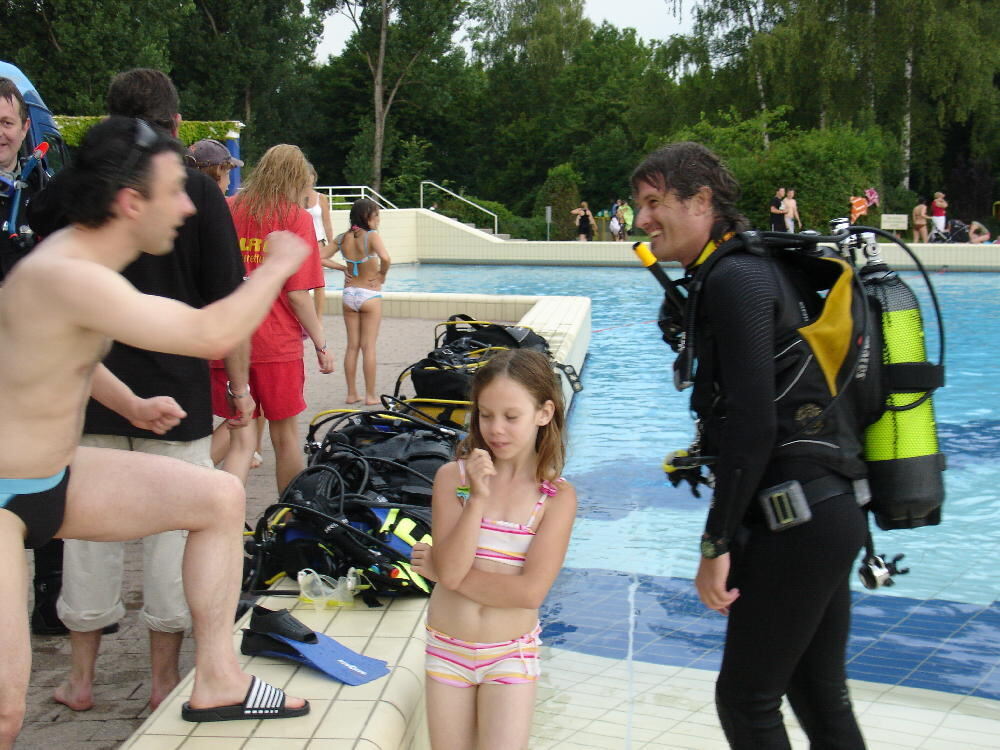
901	447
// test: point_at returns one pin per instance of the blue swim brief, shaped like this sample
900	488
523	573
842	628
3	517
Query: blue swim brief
39	503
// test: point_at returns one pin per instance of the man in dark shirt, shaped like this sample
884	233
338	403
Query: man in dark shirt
777	211
204	266
785	589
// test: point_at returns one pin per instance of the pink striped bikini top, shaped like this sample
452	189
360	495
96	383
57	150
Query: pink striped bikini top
505	541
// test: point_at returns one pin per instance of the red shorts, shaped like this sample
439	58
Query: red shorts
276	387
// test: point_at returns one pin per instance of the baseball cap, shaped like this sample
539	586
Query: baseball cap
209	152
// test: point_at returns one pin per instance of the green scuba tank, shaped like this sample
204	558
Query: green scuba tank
901	448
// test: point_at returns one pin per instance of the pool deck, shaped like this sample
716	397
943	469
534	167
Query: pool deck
585	700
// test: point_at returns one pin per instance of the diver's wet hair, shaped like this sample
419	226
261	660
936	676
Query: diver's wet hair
10	92
684	168
533	371
116	153
362	212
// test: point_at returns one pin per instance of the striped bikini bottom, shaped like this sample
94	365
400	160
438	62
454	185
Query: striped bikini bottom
464	664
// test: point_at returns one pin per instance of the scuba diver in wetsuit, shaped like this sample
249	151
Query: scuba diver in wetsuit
775	439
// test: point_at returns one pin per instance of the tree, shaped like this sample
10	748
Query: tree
737	29
561	190
70	49
232	58
391	36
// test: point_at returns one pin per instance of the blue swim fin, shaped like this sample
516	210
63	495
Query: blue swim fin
326	655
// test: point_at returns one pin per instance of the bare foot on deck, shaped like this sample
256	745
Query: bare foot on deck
159	692
352	399
77	698
371	401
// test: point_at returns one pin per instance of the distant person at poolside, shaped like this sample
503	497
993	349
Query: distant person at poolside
585	222
366	266
628	217
60	310
271	200
792	220
939	212
920	220
615	226
777	211
978	234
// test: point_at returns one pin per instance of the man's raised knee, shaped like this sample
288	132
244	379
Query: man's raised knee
228	499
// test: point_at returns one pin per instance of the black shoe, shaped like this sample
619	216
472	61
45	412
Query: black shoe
44	620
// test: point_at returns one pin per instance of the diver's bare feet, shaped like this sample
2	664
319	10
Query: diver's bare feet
75	697
371	401
352	399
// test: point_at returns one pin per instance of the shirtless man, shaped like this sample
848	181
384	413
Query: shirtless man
59	310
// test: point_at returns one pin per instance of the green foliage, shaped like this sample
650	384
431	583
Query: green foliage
910	86
561	190
74	128
826	167
70	49
404	188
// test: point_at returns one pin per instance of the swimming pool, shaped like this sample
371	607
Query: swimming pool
634	545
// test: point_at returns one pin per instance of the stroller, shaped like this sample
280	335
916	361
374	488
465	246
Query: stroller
955	231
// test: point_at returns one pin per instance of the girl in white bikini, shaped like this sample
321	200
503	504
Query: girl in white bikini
502	523
367	263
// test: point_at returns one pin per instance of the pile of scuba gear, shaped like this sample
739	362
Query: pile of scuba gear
891	394
463	345
357	509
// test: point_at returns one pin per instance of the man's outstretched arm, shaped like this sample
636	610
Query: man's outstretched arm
108	304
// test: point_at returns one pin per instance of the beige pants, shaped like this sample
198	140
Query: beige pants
91	596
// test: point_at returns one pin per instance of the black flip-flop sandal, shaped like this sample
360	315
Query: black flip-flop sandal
262	701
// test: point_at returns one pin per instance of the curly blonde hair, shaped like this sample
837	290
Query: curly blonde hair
276	184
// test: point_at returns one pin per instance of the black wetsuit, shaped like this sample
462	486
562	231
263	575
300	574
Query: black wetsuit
787	631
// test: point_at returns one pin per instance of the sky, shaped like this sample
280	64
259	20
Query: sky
651	18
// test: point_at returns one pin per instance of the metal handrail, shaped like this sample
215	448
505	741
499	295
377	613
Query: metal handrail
496	226
356	191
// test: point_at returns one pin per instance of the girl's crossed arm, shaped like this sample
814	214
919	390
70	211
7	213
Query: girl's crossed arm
455	527
544	561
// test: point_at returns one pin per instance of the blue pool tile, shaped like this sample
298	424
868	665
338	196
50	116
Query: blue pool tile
990	686
935	644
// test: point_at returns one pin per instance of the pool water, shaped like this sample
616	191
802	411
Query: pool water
634	528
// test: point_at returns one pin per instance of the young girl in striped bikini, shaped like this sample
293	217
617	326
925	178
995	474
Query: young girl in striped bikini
502	522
